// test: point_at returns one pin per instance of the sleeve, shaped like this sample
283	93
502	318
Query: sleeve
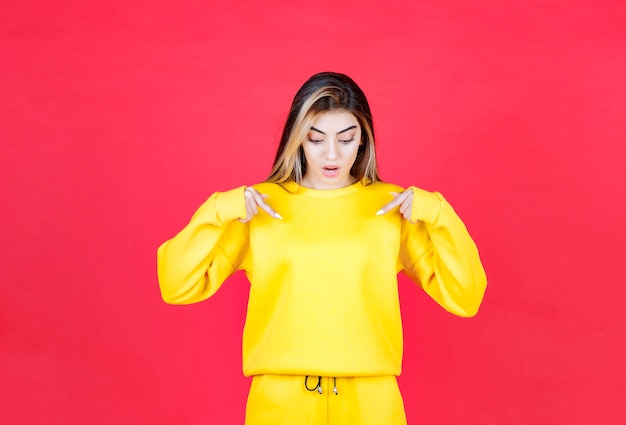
438	253
193	264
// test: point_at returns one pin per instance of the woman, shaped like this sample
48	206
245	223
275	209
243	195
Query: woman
321	242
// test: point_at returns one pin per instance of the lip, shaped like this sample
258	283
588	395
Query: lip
330	171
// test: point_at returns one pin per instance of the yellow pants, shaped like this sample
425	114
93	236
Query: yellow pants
284	400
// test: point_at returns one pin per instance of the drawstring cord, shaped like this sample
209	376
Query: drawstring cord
318	387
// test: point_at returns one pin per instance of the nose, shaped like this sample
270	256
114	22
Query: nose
332	150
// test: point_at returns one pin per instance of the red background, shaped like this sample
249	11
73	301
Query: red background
118	119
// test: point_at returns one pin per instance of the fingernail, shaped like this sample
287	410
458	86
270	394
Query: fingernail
278	216
380	212
265	196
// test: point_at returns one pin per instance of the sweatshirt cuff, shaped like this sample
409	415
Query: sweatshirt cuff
426	205
230	205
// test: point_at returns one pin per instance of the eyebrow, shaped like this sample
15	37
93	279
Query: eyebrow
342	131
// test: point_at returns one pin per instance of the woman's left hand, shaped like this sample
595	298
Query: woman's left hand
404	200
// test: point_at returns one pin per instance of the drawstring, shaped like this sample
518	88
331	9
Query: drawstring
318	387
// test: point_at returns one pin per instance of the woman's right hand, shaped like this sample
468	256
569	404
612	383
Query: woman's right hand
254	200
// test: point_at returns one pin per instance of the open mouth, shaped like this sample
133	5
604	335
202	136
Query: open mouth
330	170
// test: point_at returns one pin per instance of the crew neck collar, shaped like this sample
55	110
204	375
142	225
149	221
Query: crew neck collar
322	193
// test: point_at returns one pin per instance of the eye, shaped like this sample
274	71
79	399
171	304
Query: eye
345	142
316	141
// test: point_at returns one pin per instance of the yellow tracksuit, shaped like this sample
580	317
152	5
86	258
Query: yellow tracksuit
323	294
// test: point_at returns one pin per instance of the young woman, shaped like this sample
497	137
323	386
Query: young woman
322	241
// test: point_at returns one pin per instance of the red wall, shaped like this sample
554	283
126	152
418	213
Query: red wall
117	120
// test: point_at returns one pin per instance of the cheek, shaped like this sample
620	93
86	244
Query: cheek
353	153
308	153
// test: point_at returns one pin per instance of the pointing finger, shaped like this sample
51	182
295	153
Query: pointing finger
259	199
269	209
406	207
398	200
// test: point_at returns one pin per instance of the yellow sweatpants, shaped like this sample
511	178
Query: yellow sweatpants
284	400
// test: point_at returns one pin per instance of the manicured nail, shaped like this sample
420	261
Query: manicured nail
380	212
278	216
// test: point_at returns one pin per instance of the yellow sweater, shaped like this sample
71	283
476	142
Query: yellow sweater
324	292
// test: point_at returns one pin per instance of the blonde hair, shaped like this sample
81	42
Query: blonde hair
324	92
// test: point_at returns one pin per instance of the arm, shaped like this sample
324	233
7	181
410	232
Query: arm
438	253
193	264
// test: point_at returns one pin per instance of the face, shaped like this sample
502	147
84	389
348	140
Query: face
330	150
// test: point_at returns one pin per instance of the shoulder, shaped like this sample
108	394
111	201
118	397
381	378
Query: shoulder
271	189
390	187
384	187
263	186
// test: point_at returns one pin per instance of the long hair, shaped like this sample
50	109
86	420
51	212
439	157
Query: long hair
326	91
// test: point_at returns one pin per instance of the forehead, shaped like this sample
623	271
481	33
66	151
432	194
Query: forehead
332	122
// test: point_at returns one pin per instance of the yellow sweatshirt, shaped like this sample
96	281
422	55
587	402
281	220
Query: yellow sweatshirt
323	281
